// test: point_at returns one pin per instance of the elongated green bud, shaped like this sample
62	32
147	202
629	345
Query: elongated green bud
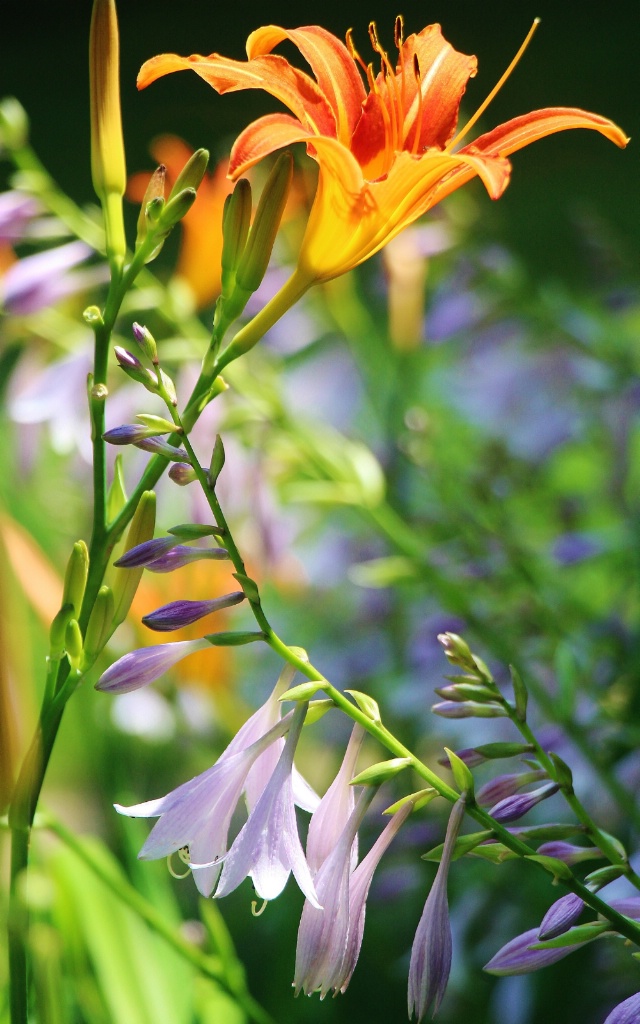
14	123
192	173
117	496
100	626
57	631
126	582
257	252
73	643
175	209
217	461
75	578
153	192
376	774
235	229
108	169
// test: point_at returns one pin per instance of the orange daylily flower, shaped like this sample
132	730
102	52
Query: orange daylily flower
201	245
386	151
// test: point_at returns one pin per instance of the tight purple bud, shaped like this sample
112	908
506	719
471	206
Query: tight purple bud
182	475
157	446
516	806
182	555
182	613
568	852
144	553
141	667
128	433
560	916
506	785
516	958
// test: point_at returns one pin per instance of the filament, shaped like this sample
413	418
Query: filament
483	106
418	76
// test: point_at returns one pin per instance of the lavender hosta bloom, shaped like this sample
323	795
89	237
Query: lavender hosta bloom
335	808
515	957
198	813
41	280
514	807
17	210
432	948
145	665
329	939
268	847
178	614
560	916
626	1012
506	785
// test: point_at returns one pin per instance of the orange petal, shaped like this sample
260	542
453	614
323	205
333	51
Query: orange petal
262	137
331	63
271	73
520	131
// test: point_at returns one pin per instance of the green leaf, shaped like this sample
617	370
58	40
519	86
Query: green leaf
464	845
574	936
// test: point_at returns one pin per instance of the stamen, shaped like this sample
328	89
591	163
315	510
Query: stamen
418	77
398	32
496	89
353	52
254	904
389	75
172	871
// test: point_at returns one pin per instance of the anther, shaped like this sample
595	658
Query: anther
398	32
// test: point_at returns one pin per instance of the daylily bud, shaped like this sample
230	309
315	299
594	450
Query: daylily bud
145	665
257	252
146	341
153	192
107	148
57	631
75	579
192	173
182	475
560	916
176	208
14	123
235	228
141	530
100	625
178	614
516	806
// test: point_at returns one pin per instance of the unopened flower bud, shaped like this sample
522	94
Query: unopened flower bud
73	643
514	807
560	916
457	650
176	208
182	475
568	852
257	251
506	785
144	666
147	551
466	691
235	228
154	192
181	555
217	461
14	123
75	579
192	173
134	369
468	709
57	631
157	446
146	341
178	614
100	626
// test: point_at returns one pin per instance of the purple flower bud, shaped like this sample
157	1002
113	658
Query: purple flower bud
626	1012
469	755
506	785
468	709
157	446
516	958
128	433
182	475
138	668
629	906
516	806
182	613
568	852
127	360
144	553
560	916
182	555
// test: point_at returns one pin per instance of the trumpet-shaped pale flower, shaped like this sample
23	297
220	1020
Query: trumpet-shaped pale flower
385	151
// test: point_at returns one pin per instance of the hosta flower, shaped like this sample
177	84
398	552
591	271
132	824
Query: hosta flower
385	151
627	1012
335	808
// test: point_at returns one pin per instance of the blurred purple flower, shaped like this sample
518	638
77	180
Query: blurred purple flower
572	548
16	211
626	1012
268	848
431	951
38	281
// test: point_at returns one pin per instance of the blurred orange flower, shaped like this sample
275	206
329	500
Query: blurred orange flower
385	153
201	247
